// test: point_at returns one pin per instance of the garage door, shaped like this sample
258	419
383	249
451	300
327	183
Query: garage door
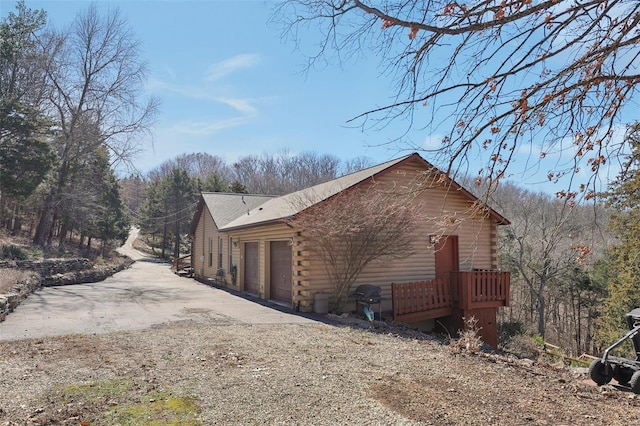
281	267
251	282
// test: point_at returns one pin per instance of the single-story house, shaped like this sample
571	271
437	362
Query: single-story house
247	243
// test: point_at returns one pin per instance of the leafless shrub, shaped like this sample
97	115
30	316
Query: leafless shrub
470	340
355	227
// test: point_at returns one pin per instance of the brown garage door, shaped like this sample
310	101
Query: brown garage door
280	271
251	283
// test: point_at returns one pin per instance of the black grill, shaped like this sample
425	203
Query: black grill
367	293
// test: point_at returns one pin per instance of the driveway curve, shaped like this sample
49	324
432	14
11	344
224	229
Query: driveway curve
147	294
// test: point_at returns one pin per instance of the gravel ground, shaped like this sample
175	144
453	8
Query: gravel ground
229	374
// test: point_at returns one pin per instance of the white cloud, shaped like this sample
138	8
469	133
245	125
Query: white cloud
221	69
206	96
192	92
184	136
156	85
205	128
243	105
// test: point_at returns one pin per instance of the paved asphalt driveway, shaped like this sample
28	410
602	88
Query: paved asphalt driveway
142	296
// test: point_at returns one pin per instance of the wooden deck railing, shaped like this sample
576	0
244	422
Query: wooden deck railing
481	289
411	300
437	298
182	265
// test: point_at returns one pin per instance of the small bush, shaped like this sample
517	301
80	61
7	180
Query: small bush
538	339
13	252
509	329
470	340
524	346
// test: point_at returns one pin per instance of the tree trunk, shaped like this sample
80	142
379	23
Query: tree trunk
578	318
45	222
64	230
164	240
15	222
176	245
52	228
541	308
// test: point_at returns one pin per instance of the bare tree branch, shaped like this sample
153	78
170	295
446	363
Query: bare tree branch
97	98
495	77
356	227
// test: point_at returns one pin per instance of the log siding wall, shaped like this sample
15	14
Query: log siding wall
477	244
477	237
206	250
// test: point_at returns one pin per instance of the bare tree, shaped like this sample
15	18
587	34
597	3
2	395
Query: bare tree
246	170
355	164
284	172
196	165
547	77
200	165
98	78
132	190
548	248
356	227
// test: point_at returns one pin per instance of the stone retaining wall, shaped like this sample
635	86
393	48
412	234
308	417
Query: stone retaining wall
20	291
48	267
53	272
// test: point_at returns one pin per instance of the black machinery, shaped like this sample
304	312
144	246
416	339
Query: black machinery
367	295
625	371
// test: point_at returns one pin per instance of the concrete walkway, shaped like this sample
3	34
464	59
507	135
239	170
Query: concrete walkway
142	296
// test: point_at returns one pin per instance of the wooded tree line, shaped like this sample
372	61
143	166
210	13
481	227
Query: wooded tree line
575	267
164	201
553	251
71	109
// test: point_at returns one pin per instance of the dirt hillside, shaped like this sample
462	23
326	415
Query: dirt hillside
220	373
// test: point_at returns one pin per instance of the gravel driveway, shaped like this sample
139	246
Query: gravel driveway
189	354
145	295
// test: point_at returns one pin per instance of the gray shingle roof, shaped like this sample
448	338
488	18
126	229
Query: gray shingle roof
288	205
232	211
226	207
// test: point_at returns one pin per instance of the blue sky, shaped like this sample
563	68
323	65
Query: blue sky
231	86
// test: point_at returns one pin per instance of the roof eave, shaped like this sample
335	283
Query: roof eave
196	217
253	225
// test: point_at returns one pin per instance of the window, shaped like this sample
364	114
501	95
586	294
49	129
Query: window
210	252
219	252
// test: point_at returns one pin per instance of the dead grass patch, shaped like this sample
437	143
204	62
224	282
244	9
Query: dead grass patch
10	277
